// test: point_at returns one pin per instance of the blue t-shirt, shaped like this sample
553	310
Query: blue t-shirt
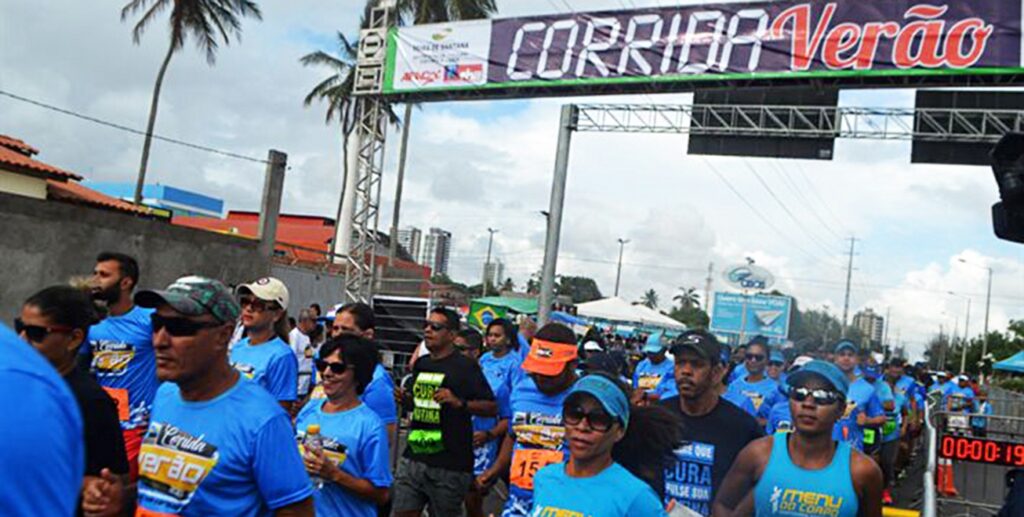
612	493
763	393
484	456
271	365
780	419
231	455
648	376
980	422
893	418
124	363
357	441
740	400
379	395
507	368
536	426
861	398
41	446
961	399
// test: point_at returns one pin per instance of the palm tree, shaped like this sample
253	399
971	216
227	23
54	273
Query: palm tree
649	299
421	12
688	298
206	21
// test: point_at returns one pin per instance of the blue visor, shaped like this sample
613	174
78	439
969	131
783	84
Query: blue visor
612	399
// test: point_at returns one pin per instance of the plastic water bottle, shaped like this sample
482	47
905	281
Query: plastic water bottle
314	442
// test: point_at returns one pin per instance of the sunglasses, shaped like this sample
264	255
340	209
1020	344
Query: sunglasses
256	304
336	368
599	420
755	357
436	327
37	333
180	327
820	397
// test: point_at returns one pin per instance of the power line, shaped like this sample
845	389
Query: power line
127	129
785	208
814	191
759	214
803	199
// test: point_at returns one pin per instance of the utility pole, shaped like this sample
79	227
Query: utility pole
964	342
707	288
849	277
487	264
270	206
618	273
393	245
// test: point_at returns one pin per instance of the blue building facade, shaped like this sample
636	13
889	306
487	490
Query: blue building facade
178	201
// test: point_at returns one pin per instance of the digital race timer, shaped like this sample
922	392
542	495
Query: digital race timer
964	448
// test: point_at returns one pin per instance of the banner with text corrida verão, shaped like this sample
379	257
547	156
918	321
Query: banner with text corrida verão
742	40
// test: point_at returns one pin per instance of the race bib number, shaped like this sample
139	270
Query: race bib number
526	463
111	358
172	465
120	397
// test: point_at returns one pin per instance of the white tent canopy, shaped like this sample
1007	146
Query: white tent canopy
619	310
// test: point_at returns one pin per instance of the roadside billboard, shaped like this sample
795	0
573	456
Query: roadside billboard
766	315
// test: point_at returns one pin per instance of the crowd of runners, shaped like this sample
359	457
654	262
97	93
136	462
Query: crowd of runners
200	400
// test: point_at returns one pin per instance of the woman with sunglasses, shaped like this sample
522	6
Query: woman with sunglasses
805	472
55	321
616	455
354	461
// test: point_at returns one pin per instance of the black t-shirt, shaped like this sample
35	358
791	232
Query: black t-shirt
440	435
104	443
711	445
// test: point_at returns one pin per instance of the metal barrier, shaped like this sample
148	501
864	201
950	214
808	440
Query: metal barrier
929	505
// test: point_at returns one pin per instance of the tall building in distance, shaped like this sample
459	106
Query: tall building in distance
871	325
410	239
435	250
494	273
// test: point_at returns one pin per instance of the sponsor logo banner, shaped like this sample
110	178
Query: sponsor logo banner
745	40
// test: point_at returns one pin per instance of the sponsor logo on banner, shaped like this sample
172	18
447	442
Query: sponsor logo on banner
749	276
442	56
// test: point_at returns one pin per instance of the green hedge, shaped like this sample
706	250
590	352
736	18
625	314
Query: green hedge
1013	384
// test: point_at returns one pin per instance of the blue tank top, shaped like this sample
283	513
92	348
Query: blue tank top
788	490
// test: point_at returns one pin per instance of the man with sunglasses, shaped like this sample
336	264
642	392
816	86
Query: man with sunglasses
805	472
262	355
762	391
217	443
863	407
120	349
436	469
714	430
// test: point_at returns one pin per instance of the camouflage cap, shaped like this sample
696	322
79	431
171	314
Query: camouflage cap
193	296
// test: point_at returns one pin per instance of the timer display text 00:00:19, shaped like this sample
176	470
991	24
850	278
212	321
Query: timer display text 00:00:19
978	450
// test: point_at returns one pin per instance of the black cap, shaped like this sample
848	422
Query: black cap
703	343
603	362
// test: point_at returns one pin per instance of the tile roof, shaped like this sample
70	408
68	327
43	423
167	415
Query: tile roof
77	193
16	156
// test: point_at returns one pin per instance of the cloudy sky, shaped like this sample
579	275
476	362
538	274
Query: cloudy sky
488	164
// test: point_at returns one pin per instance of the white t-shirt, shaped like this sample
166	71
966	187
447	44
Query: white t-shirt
301	347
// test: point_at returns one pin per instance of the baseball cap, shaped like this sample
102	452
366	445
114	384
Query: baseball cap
846	344
600	362
268	289
776	357
549	358
871	370
963	378
612	399
193	296
704	344
592	346
655	343
799	362
821	369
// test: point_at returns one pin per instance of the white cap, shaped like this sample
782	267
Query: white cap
800	361
268	289
592	346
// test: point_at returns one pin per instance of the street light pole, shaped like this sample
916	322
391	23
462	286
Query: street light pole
487	264
618	273
966	335
988	304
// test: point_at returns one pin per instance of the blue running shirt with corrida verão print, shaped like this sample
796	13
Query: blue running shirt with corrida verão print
539	434
272	365
124	364
232	455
